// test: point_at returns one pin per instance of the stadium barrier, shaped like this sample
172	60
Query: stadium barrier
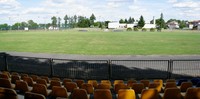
101	69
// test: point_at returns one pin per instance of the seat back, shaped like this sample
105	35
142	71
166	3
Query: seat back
58	91
29	80
138	87
31	95
42	81
5	76
131	82
102	94
93	82
106	82
54	83
79	94
170	80
70	86
149	94
5	83
172	93
126	94
40	89
55	78
66	80
185	86
22	86
88	87
145	82
103	86
192	93
79	82
118	82
34	77
119	86
14	78
7	93
170	85
46	78
155	85
24	75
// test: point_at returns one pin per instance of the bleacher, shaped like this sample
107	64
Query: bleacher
14	85
46	78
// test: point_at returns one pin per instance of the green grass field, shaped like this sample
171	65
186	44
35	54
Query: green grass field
102	43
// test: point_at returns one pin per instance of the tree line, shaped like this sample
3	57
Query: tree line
84	22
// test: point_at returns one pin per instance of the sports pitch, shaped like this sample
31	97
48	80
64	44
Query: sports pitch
102	43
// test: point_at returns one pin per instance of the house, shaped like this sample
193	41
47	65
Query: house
113	25
173	25
194	24
149	26
117	25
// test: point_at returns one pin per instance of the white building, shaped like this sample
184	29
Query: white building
113	25
173	25
148	26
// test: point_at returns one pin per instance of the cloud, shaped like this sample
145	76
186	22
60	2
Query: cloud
189	4
7	6
172	1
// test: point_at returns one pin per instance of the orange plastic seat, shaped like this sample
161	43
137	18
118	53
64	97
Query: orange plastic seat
54	83
88	87
149	94
170	85
185	85
131	82
29	81
7	93
6	83
31	95
14	78
172	93
192	93
155	85
34	77
5	76
106	82
58	91
41	89
93	82
126	94
55	78
119	86
79	94
102	94
79	82
118	82
138	87
42	81
66	80
24	75
145	82
46	78
70	86
170	80
103	86
22	86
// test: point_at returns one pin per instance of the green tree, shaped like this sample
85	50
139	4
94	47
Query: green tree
59	22
15	26
66	18
54	21
121	21
160	22
131	20
92	18
141	22
125	21
32	24
4	26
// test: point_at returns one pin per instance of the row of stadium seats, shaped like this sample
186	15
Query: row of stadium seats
42	86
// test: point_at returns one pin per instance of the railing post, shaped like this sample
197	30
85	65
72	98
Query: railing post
110	69
170	68
6	62
51	67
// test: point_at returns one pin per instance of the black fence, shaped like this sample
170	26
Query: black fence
101	69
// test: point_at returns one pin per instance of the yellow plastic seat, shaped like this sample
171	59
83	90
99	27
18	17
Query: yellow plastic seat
126	94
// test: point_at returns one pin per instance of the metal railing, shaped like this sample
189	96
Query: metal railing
101	69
